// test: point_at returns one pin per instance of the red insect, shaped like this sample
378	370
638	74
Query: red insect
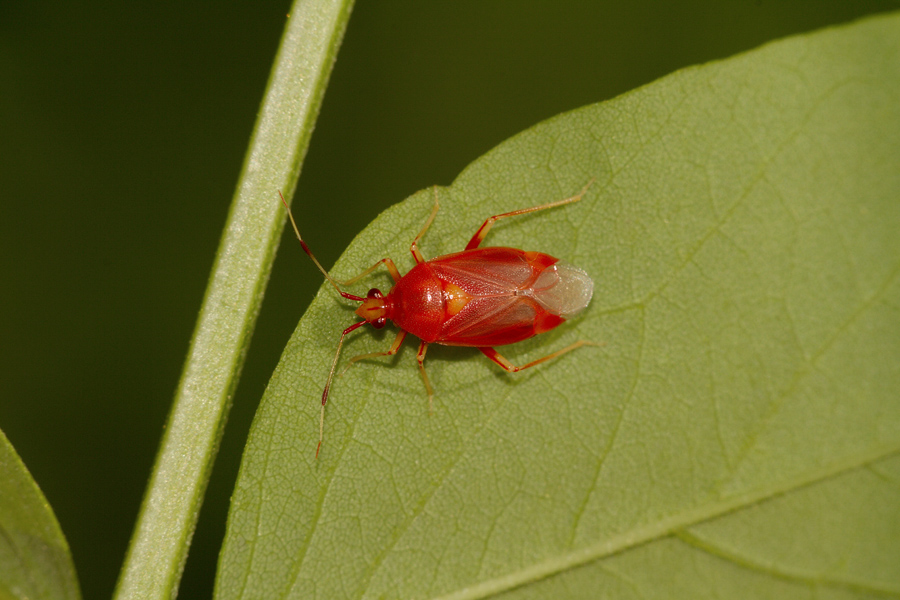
480	297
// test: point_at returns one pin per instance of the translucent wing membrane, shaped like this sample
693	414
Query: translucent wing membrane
563	289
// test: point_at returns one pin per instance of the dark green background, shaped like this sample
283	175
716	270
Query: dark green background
122	131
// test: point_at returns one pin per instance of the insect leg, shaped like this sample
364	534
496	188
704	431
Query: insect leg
420	357
414	247
401	335
489	222
387	262
511	368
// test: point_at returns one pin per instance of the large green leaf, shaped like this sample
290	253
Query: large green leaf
35	562
738	433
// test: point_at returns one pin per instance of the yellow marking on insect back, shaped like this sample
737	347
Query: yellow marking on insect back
455	299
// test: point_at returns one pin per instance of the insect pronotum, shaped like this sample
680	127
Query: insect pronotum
480	297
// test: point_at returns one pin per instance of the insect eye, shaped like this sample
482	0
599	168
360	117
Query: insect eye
379	322
374	293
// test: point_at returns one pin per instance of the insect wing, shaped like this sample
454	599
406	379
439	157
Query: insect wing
499	296
563	289
491	271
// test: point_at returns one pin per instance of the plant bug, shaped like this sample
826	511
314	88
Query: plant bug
480	297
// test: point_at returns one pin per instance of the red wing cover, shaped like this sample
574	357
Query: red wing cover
503	304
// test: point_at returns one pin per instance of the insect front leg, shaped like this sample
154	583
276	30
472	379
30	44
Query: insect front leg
420	358
414	247
511	368
387	262
489	222
395	347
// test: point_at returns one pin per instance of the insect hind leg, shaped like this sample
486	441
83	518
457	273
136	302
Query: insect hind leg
489	222
511	368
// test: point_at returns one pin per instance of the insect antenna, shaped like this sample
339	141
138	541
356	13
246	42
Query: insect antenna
306	249
347	295
328	383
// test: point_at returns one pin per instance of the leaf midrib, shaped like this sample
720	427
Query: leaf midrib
641	535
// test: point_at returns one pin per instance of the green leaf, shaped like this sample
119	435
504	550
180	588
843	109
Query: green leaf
35	562
737	434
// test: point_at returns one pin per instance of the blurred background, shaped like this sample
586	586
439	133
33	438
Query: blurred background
122	131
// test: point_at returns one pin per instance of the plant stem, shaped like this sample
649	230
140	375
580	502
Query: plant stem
169	511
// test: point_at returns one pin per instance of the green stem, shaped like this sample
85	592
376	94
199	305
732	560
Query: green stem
168	515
